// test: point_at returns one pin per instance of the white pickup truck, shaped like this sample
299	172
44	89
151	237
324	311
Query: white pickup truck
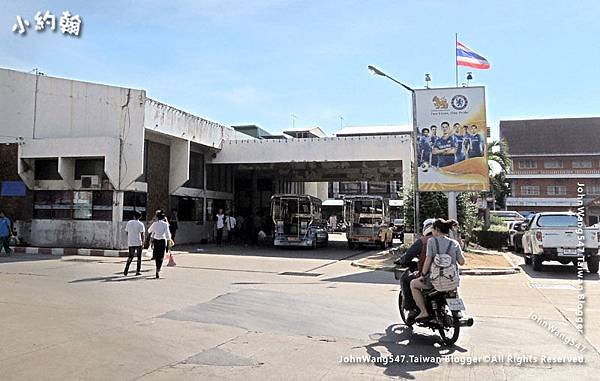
556	236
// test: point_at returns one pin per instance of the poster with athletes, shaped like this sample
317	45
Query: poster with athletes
451	139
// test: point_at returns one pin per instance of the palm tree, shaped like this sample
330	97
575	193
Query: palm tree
499	164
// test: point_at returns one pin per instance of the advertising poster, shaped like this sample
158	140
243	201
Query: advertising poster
451	139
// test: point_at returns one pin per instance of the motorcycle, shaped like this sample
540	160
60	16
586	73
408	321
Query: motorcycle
445	310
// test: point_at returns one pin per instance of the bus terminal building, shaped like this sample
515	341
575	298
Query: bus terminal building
78	158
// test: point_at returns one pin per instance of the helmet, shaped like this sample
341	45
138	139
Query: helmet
428	226
428	222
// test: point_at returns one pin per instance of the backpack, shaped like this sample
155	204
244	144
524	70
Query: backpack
444	274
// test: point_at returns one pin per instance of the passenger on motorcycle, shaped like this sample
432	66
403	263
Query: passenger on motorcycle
417	250
441	228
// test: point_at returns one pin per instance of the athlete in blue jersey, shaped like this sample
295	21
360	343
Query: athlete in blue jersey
433	138
475	143
459	139
445	147
424	149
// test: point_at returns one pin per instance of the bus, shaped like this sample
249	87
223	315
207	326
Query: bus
298	221
367	220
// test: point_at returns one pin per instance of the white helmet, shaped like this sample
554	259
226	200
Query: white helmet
428	226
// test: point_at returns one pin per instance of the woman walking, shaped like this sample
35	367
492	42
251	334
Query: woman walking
161	235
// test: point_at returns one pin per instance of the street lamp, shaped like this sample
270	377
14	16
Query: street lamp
415	167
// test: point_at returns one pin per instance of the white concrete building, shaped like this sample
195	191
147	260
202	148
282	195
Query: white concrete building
90	154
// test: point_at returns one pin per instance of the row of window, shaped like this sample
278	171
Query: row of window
47	169
555	164
555	190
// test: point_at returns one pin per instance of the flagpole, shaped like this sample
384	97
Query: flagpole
455	56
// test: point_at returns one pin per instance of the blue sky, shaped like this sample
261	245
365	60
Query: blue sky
258	62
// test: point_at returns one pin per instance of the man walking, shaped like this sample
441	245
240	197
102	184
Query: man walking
173	224
5	233
135	237
220	225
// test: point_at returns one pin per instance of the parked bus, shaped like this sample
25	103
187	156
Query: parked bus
367	221
298	221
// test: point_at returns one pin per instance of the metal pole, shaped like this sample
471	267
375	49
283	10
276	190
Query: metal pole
455	56
415	166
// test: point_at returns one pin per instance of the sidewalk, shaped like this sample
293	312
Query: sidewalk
69	251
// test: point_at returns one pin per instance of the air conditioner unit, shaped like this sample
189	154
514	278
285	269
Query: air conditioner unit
90	182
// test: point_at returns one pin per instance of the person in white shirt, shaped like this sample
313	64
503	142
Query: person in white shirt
135	237
220	225
231	227
160	235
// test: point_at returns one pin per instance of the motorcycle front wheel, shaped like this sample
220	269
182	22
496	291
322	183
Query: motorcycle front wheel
450	332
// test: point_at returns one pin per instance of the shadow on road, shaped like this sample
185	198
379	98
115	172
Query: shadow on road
401	342
375	277
335	250
19	257
112	278
555	270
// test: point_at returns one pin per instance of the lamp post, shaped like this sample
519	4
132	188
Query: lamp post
417	226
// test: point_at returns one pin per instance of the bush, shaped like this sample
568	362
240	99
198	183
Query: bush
493	238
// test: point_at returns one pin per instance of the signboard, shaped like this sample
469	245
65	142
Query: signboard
451	139
13	188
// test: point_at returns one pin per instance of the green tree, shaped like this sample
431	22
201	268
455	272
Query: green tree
499	165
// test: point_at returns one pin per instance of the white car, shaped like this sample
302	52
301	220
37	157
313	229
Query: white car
507	215
554	236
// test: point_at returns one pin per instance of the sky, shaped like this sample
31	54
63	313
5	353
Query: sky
260	62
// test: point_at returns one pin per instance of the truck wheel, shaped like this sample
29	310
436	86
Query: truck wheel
537	262
527	260
350	245
592	263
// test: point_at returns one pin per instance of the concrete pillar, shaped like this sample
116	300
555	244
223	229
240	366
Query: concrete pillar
336	189
117	240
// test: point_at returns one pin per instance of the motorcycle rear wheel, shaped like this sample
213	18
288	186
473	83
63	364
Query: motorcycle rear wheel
403	312
450	334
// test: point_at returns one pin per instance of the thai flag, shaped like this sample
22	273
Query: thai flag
467	57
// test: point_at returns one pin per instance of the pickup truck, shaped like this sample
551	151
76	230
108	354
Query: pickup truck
555	236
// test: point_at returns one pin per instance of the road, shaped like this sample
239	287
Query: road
262	313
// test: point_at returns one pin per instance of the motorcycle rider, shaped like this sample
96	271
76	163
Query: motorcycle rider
441	229
417	249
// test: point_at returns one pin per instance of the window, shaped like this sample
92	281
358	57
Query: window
582	164
134	201
102	205
376	187
50	205
350	188
196	171
556	190
78	205
530	190
82	205
527	164
218	178
593	190
46	169
553	164
188	208
563	220
89	167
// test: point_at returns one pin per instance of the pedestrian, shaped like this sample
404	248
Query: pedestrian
135	237
231	228
160	235
5	233
220	218
173	224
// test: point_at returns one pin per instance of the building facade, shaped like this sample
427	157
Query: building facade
551	159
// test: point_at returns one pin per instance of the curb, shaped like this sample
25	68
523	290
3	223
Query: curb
506	271
70	251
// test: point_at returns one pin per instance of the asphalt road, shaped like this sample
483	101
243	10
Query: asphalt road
263	313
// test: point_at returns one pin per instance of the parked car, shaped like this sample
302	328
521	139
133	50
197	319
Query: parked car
516	230
555	236
527	214
507	215
398	229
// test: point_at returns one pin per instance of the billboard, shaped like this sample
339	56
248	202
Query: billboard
451	139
